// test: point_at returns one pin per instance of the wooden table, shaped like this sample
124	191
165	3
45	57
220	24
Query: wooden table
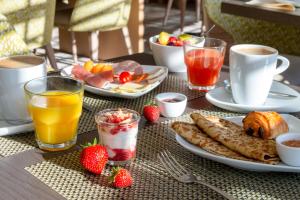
17	183
240	8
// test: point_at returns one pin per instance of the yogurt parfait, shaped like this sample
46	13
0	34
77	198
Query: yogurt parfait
118	129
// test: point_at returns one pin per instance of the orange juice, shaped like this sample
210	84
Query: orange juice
56	115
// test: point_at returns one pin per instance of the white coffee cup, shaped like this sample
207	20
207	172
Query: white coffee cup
15	71
252	68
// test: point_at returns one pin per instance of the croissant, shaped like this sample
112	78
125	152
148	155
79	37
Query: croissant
266	125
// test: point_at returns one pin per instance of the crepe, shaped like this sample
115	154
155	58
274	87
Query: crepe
266	125
233	136
194	135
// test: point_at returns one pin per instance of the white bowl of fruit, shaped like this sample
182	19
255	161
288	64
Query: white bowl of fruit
168	50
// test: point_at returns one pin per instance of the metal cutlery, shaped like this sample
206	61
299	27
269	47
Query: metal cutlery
271	93
205	34
182	175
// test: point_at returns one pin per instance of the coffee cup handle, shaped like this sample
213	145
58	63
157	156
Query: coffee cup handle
284	65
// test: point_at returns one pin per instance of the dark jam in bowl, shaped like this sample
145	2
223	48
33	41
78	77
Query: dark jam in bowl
292	143
172	100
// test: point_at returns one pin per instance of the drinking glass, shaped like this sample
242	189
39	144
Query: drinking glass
118	129
55	105
204	61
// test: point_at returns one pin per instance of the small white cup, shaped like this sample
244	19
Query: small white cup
168	108
289	155
252	68
13	105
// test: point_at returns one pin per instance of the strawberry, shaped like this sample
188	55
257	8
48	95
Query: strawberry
151	112
120	178
172	41
93	157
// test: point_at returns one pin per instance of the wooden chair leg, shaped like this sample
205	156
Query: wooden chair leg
51	57
74	47
198	7
127	40
94	45
168	9
182	13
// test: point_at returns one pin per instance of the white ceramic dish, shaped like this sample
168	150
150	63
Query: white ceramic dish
107	92
9	129
289	155
294	2
257	2
223	99
171	109
169	56
294	125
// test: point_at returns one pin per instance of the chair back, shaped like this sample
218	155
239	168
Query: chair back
10	42
102	15
284	38
33	20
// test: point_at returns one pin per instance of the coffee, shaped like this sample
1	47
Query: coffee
20	61
255	51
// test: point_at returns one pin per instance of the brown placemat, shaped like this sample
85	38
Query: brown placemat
65	175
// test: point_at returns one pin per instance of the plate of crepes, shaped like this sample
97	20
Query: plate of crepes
127	79
244	142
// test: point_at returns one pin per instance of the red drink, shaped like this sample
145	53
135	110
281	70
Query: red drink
203	66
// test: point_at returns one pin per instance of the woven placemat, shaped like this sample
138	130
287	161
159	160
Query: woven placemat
171	84
14	144
65	175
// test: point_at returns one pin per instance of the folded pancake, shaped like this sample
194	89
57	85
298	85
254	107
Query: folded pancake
195	136
266	125
233	136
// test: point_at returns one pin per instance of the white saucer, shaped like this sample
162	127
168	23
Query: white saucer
10	129
223	99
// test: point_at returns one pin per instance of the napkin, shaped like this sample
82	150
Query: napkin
289	7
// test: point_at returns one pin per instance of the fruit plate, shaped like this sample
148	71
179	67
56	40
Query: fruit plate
294	126
109	89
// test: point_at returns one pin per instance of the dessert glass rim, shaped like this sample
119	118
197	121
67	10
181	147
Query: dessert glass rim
133	119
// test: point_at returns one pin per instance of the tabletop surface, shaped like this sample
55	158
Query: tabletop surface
240	8
17	183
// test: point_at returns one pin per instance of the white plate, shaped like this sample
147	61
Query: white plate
106	92
258	2
294	126
9	129
223	99
294	2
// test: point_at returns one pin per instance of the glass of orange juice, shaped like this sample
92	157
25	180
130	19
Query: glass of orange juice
55	105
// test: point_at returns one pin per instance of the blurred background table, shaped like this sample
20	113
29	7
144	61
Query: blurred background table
241	8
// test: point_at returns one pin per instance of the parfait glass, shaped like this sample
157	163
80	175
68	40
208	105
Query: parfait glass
118	129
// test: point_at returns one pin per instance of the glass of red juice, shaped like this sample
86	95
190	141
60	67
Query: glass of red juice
204	60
